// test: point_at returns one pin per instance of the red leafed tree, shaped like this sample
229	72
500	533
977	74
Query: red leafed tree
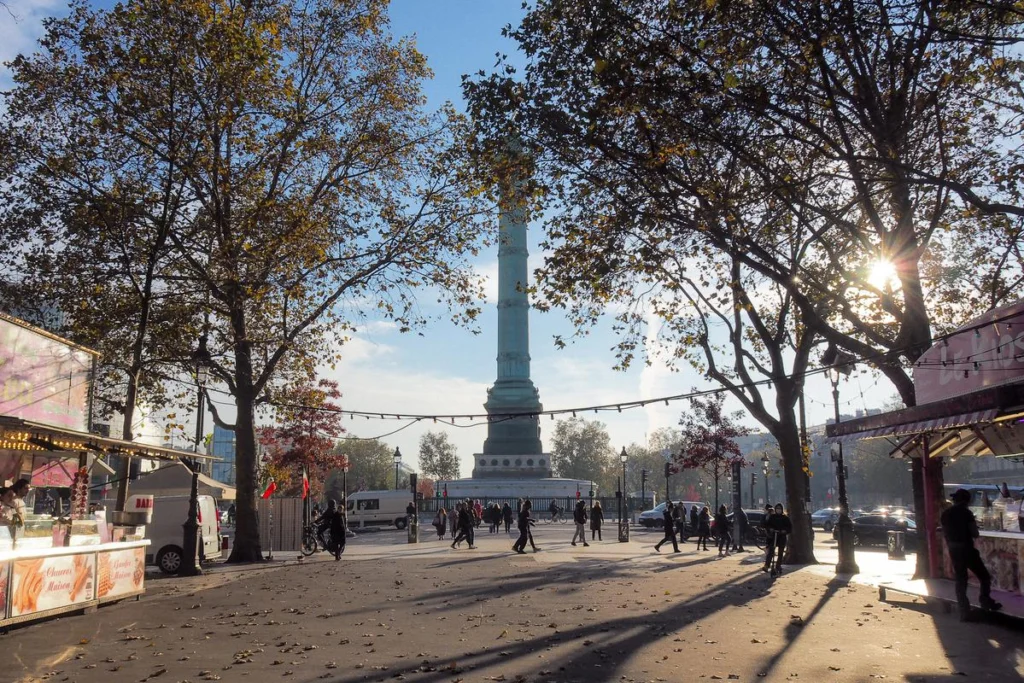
425	486
309	423
709	439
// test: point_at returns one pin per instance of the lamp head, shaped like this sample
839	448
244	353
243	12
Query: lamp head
623	456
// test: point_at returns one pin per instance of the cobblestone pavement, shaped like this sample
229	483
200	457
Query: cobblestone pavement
609	612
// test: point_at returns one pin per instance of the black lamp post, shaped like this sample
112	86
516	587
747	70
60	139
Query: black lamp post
764	470
838	367
190	560
398	461
624	514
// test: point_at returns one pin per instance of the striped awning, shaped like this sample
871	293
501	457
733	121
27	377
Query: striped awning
938	424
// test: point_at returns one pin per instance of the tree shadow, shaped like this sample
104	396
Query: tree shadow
623	636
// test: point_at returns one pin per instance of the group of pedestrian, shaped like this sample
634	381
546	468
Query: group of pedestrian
675	516
461	522
497	515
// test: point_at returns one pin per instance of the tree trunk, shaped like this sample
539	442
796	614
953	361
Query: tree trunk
800	549
247	532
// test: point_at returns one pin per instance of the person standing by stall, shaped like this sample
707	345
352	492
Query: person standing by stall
960	529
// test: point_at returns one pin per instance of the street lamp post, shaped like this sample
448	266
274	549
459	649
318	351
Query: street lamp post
190	560
764	470
398	461
844	527
624	513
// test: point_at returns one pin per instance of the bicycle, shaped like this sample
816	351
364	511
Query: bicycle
557	517
311	543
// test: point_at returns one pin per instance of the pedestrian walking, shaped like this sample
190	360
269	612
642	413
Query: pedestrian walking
670	529
453	520
465	526
960	529
506	515
681	522
473	513
596	520
722	527
740	519
779	527
440	522
579	515
524	528
694	520
704	527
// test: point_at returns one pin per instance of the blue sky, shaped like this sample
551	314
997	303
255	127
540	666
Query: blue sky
447	370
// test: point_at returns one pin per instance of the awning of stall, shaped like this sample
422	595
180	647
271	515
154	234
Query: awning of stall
25	435
176	480
970	389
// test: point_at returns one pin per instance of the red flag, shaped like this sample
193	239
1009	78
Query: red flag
305	484
269	491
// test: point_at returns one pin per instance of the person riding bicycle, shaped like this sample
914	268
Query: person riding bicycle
778	526
554	510
332	520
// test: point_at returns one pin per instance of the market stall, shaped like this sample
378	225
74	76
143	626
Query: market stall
970	392
56	559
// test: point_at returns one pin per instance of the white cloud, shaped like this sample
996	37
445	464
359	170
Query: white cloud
21	25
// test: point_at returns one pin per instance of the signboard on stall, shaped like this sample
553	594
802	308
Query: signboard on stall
49	583
120	573
42	377
49	473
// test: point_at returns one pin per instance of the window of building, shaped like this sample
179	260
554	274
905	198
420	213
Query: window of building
519	462
483	463
541	463
505	462
529	462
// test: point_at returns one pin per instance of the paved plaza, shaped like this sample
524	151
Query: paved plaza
611	612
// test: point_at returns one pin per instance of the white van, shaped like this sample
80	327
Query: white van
166	534
378	507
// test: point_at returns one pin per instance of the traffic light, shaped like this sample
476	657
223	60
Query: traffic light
577	494
753	477
643	476
668	470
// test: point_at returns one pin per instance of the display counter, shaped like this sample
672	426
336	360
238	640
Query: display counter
1003	555
42	582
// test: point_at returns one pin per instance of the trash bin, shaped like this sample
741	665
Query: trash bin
896	544
413	528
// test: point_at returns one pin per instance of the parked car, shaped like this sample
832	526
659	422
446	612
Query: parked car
874	530
826	518
378	507
755	518
165	531
655	518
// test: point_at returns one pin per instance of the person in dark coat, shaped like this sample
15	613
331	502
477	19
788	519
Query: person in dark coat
596	519
680	520
524	528
579	516
778	527
722	527
332	520
740	518
506	515
703	528
694	520
465	526
670	529
960	529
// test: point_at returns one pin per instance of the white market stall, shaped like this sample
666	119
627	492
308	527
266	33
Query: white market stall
54	562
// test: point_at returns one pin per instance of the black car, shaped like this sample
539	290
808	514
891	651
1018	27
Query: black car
874	530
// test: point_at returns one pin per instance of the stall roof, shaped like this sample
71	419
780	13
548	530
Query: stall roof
18	434
176	479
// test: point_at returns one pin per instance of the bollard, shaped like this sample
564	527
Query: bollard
896	545
413	528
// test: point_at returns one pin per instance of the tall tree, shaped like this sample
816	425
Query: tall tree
709	439
438	457
581	449
308	423
371	464
312	182
874	129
